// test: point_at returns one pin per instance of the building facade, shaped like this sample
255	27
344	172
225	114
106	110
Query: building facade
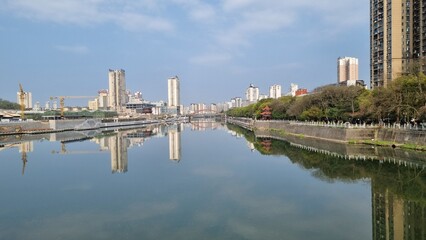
275	91
117	89
252	93
293	89
236	102
397	39
347	69
173	92
103	99
28	99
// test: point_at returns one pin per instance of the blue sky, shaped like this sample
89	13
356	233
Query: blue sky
217	48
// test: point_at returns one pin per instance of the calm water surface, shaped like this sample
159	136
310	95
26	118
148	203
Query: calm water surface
201	181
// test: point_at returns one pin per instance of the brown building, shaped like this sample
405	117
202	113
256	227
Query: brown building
397	38
301	92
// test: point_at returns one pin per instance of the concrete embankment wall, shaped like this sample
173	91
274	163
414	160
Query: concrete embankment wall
402	136
329	133
75	124
25	126
340	134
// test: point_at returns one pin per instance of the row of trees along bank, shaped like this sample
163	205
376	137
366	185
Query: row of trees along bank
402	101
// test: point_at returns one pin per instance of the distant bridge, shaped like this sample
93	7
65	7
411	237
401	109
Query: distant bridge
204	113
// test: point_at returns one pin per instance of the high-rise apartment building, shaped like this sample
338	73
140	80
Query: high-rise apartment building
275	91
347	69
28	99
252	93
398	38
173	92
117	89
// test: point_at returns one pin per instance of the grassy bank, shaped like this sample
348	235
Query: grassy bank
389	144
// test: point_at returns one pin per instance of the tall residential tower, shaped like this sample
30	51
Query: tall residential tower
173	92
117	89
397	38
252	94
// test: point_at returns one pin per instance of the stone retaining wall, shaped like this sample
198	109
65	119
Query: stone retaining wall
340	134
329	133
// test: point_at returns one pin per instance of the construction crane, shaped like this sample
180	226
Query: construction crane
62	101
22	100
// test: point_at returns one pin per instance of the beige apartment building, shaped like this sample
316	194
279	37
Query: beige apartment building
398	40
117	89
347	69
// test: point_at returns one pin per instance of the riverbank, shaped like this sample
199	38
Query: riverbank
362	134
53	126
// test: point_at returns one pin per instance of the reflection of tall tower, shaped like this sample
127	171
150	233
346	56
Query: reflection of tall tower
118	148
117	89
174	143
395	218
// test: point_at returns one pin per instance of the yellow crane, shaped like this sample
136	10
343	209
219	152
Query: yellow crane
62	101
22	100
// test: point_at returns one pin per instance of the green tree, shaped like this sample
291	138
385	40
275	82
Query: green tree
4	104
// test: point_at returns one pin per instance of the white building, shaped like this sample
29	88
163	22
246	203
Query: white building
213	108
173	92
28	99
252	93
174	96
117	89
236	102
275	91
293	89
103	99
347	69
262	96
93	104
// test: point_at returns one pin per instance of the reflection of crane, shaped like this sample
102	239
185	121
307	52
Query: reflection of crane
24	161
22	100
62	101
65	151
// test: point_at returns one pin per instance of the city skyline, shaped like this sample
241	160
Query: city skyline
65	48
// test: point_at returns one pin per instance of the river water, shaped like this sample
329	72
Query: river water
201	181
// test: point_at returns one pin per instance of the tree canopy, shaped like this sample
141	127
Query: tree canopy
402	101
4	104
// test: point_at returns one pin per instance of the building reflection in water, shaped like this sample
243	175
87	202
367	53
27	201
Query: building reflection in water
118	145
205	124
24	148
396	218
175	142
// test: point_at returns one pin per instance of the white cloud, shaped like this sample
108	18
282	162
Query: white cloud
262	16
75	49
89	12
211	59
198	10
136	22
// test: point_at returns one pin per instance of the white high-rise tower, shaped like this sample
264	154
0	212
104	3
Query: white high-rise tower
174	92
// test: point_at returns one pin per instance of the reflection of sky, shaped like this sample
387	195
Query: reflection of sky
219	190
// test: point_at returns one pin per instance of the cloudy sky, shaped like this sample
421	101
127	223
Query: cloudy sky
217	48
